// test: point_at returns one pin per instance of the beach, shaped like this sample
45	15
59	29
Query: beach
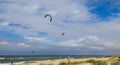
57	62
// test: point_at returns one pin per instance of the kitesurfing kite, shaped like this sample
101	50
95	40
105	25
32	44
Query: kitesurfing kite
32	51
48	15
62	34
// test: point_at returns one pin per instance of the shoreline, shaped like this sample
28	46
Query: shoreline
57	61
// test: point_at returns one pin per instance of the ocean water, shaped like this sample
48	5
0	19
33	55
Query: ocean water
31	58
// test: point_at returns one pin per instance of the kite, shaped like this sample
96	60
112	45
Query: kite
48	15
62	34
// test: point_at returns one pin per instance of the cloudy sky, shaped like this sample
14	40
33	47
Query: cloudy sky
90	27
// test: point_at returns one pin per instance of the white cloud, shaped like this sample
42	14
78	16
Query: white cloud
78	32
25	13
91	42
4	43
23	45
95	38
39	42
35	38
76	11
53	13
4	23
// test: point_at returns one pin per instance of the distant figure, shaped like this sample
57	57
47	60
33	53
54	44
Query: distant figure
11	62
68	59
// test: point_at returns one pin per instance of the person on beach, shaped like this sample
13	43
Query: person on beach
11	62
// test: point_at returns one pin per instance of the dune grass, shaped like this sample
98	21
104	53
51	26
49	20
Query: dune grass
97	62
71	63
115	63
91	61
115	60
46	64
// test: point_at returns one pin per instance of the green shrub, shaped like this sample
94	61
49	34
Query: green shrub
90	61
45	64
98	62
71	63
63	63
115	63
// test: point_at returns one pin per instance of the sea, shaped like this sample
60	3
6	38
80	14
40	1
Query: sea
18	59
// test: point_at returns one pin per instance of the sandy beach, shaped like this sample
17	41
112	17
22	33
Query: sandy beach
56	62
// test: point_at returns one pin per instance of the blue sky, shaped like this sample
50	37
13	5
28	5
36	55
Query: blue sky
90	27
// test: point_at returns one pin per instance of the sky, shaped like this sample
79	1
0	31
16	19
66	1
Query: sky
91	27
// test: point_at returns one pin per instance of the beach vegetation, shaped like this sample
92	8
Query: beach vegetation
71	63
47	64
115	60
97	62
115	63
